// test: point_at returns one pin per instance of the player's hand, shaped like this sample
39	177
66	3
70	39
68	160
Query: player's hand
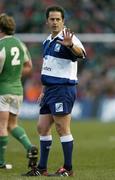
40	97
67	38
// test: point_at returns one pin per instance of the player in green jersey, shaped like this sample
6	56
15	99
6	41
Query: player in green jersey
15	61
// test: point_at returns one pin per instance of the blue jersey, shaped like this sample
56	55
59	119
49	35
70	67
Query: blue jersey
59	63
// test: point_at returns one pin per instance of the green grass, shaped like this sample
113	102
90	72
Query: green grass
93	155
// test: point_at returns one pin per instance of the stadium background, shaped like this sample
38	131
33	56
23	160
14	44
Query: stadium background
96	90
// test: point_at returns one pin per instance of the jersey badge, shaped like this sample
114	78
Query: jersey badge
57	47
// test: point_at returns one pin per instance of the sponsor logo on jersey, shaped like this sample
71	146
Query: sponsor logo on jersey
47	68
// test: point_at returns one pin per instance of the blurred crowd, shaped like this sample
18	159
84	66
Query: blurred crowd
97	79
83	16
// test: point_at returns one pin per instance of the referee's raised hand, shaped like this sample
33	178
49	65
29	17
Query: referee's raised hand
67	38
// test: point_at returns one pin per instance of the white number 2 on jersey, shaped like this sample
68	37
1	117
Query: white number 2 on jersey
15	54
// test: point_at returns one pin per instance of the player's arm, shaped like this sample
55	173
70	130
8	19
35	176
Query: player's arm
27	66
2	59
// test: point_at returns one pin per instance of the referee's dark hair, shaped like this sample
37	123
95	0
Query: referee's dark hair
55	8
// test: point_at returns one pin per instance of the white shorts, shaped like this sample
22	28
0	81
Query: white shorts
10	103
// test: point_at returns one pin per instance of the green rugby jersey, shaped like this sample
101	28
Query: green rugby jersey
14	53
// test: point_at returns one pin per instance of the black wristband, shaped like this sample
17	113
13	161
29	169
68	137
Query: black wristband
70	46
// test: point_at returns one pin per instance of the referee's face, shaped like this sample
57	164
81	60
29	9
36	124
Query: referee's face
55	22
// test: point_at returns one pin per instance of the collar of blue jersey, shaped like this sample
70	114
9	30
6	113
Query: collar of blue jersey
59	35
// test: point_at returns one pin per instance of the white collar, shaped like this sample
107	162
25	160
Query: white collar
8	36
59	35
